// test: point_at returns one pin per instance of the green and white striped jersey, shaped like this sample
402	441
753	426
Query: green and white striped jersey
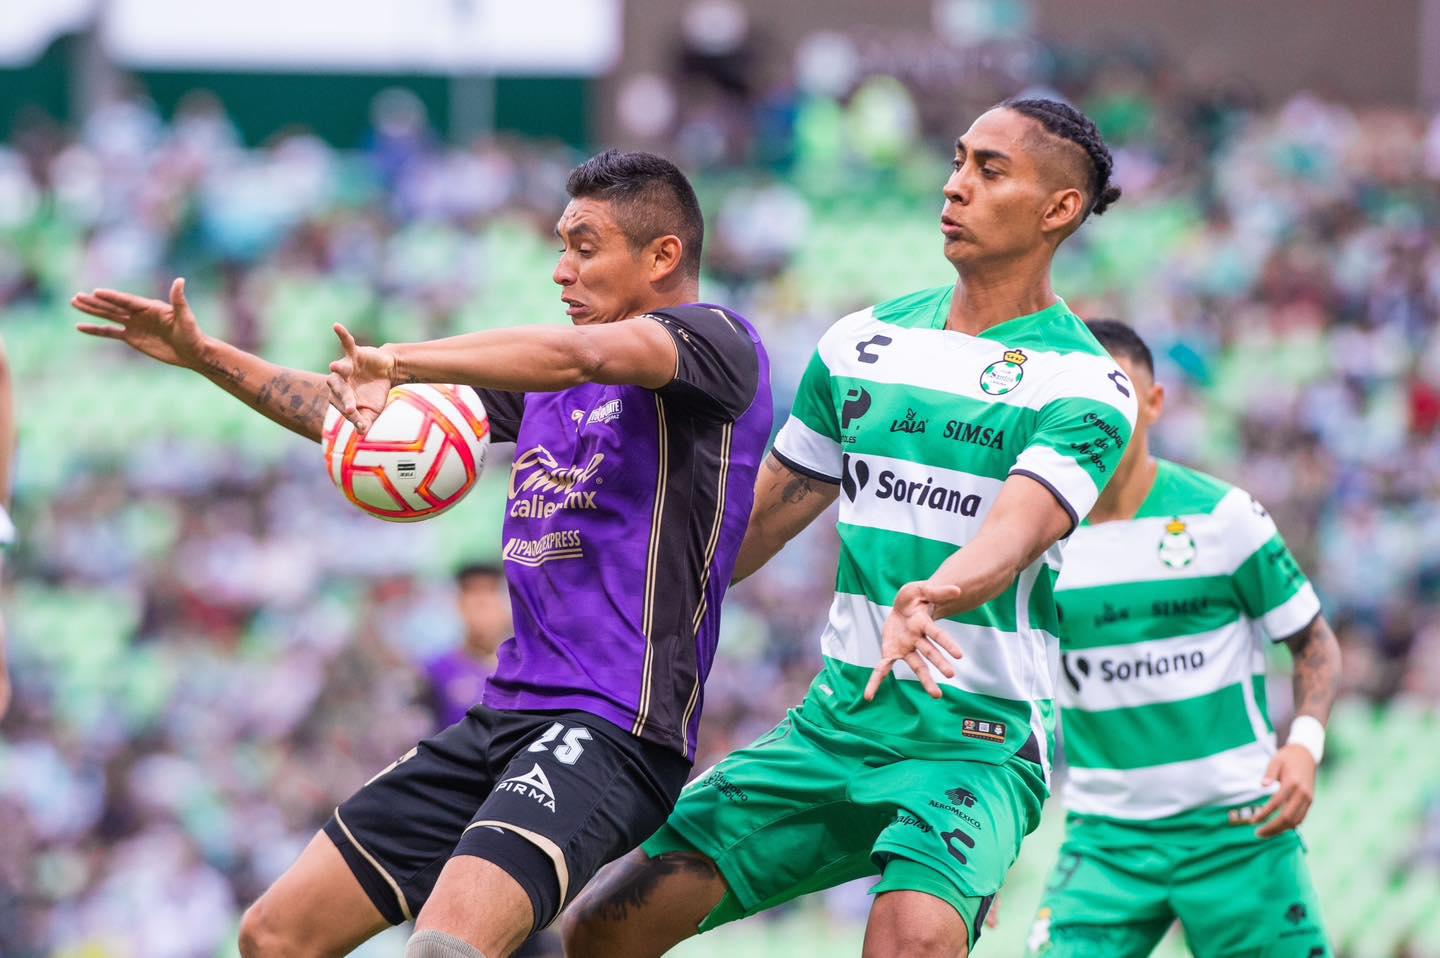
921	426
1164	623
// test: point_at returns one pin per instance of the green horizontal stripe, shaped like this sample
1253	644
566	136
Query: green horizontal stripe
875	563
906	718
1145	611
814	404
1055	330
936	428
1147	735
1269	578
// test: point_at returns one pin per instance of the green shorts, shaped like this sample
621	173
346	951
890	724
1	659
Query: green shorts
1250	899
808	807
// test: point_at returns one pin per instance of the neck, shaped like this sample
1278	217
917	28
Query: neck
1126	493
988	295
479	650
677	294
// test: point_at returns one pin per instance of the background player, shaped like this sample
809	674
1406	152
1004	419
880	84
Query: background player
589	722
455	679
1169	591
982	416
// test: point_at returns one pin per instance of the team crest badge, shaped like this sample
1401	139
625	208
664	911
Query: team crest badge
1177	545
1004	374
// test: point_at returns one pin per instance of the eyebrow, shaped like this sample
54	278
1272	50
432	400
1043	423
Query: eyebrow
980	155
583	231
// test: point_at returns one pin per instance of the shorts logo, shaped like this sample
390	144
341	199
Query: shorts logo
983	730
533	784
722	784
958	835
607	412
961	796
1004	374
862	349
1177	545
1296	913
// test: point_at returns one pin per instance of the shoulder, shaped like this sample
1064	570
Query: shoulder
912	307
1192	492
883	321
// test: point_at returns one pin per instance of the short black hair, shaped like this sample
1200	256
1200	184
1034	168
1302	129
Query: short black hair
1120	339
1068	123
652	198
471	570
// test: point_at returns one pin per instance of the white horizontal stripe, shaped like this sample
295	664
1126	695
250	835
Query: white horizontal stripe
1162	670
1247	526
806	447
1293	614
1062	472
1117	553
953	362
1231	777
914	499
996	662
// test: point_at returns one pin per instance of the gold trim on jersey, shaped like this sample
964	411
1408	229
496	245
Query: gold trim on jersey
642	710
700	606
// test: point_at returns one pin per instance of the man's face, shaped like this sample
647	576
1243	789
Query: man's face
996	196
601	278
485	611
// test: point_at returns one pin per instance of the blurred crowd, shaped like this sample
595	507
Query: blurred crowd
250	655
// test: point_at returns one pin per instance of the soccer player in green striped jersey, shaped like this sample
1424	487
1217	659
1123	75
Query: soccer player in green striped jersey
1180	805
965	431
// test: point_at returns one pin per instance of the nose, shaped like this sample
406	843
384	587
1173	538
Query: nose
957	188
564	274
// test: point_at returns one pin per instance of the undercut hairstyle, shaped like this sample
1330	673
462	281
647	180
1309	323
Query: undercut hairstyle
651	199
1066	122
1121	340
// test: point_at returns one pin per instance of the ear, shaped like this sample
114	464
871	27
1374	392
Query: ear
663	257
1154	404
1063	215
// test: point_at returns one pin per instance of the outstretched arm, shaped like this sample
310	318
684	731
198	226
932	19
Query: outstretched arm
1316	681
1026	520
635	351
786	501
168	332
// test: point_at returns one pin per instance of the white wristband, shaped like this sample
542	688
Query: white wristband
1307	732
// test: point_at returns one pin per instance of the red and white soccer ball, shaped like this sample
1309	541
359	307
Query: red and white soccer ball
421	455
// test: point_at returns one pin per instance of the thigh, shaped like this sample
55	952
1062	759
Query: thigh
397	831
1100	901
580	792
1251	901
316	907
775	819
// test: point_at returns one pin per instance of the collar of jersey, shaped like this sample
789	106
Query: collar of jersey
1052	312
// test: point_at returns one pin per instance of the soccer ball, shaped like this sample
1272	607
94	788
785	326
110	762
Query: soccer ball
420	456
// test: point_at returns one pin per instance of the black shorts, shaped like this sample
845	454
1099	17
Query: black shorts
577	788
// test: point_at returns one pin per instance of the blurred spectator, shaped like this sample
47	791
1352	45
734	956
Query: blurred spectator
457	677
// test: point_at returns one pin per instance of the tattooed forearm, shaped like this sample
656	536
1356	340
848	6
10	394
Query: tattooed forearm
295	400
1317	669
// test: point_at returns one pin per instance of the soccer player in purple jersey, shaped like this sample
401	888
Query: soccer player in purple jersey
639	432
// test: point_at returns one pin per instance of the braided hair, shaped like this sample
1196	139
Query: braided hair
1068	123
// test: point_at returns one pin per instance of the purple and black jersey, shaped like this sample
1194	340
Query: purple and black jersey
624	520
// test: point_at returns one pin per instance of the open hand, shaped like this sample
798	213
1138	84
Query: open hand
164	331
360	382
1294	768
911	632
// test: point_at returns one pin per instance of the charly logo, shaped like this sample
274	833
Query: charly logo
856	405
606	412
852	484
863	348
911	423
1177	545
1004	374
539	487
533	785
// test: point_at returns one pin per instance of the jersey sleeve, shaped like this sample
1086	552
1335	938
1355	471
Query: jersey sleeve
719	368
1269	583
504	409
809	442
1080	435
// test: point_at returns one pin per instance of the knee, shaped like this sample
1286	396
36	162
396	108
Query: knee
925	942
260	934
